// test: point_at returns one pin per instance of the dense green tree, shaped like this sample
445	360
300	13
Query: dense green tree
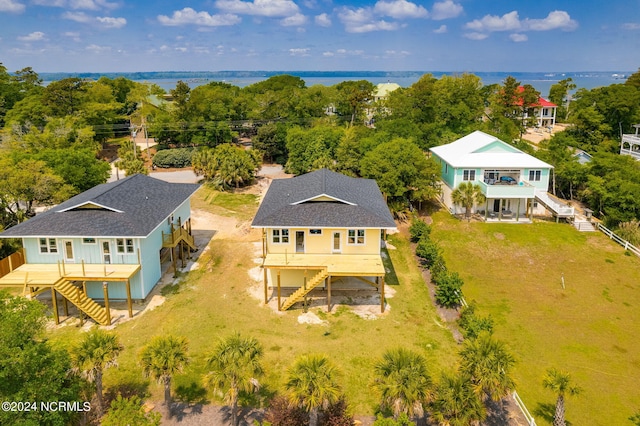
559	95
468	194
634	79
31	370
65	97
130	159
559	382
353	98
180	95
311	149
97	351
271	140
311	383
162	358
456	403
129	411
489	364
226	166
403	380
234	368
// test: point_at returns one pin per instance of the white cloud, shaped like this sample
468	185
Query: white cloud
446	10
328	54
269	8
109	22
34	36
323	20
362	21
518	37
188	16
98	49
490	23
558	19
77	16
11	6
75	36
294	20
396	53
299	52
476	36
344	52
631	26
399	9
440	30
77	4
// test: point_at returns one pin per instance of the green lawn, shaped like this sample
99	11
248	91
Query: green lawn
590	328
213	302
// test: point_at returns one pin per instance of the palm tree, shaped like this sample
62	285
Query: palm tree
467	194
312	384
234	366
488	363
163	357
456	403
403	379
97	351
560	383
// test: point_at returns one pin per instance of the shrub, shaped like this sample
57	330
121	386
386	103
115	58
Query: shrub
336	415
178	158
630	231
129	411
428	250
448	291
403	420
418	229
282	413
472	325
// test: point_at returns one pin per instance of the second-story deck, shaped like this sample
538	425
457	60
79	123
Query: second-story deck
631	146
497	189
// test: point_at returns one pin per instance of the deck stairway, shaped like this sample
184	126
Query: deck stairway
87	305
178	234
582	224
558	208
304	290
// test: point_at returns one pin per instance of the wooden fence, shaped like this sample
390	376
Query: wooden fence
10	263
624	243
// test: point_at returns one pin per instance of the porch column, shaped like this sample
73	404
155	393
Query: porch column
500	208
382	295
54	302
329	293
518	211
105	290
129	305
486	208
65	306
173	262
279	305
264	278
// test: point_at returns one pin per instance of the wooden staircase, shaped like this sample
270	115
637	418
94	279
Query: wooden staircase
87	305
178	233
305	289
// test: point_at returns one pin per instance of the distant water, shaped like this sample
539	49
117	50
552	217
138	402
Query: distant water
542	81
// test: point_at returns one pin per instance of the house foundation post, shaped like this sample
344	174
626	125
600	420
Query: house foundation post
279	305
264	279
65	306
518	211
129	304
54	302
105	290
382	295
329	293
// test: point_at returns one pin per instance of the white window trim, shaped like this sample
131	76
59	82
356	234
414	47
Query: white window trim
48	246
95	241
316	233
535	172
280	235
356	236
469	173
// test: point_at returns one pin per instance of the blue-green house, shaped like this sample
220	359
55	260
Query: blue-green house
117	235
514	183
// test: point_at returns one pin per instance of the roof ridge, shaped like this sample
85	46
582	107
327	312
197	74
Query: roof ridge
116	184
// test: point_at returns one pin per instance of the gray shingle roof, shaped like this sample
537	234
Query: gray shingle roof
290	203
132	207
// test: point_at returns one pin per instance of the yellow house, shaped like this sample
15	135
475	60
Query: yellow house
320	226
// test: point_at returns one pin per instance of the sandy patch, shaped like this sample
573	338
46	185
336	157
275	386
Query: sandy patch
311	318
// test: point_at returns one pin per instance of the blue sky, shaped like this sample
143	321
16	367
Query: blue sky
328	35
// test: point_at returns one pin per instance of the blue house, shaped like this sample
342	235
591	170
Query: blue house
107	243
514	183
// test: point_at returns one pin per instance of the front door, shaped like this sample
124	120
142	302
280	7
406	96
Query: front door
336	242
299	241
496	205
106	251
68	251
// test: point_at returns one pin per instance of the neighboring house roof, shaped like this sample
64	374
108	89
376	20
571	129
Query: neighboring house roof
542	102
130	207
582	156
323	199
383	89
480	150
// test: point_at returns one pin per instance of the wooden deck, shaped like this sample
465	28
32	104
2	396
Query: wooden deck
348	265
41	274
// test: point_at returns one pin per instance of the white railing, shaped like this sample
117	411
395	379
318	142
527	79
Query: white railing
557	208
530	420
624	243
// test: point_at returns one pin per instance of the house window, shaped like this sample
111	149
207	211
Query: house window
88	241
124	245
280	236
355	236
534	175
468	175
48	245
315	231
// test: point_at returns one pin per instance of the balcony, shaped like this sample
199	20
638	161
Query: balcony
499	189
631	146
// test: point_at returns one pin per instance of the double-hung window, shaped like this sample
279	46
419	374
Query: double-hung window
280	236
124	245
468	175
48	245
355	236
534	175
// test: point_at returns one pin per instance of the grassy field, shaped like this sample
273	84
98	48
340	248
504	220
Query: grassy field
590	328
213	302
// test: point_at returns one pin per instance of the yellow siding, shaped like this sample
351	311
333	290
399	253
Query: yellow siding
323	243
